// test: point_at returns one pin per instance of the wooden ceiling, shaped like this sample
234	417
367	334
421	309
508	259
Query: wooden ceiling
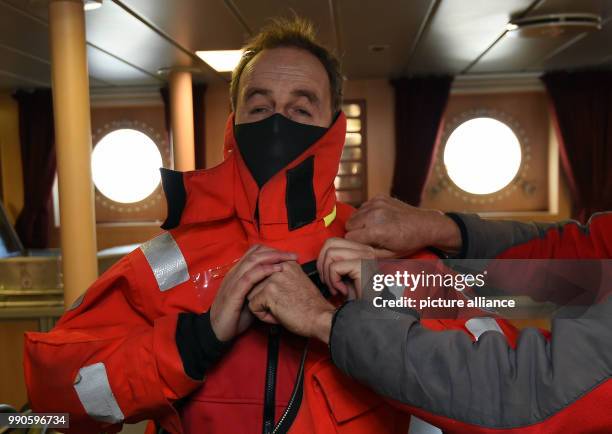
128	41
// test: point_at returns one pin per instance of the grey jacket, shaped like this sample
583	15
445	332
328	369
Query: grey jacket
466	386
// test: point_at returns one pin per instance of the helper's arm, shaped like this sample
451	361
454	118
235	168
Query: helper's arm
472	387
484	239
475	387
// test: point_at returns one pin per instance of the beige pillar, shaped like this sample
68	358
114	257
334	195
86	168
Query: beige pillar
181	107
73	143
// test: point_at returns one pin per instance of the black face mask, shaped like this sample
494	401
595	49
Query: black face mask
269	145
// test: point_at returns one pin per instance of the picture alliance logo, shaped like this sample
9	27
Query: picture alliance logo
413	281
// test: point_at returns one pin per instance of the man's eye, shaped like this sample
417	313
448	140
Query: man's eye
258	110
303	112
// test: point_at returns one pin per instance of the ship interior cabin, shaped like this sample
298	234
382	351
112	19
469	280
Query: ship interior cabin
501	108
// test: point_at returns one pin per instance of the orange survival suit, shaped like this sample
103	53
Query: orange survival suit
113	357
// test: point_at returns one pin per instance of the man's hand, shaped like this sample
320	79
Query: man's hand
339	265
228	314
390	224
289	297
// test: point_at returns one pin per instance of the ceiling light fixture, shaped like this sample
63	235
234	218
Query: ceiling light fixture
90	5
221	60
511	26
554	25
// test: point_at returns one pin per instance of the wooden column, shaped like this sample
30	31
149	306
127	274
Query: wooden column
73	143
181	107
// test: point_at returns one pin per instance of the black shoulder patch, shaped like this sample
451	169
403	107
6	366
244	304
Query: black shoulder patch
300	197
172	182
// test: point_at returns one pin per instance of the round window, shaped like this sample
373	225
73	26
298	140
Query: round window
125	165
482	155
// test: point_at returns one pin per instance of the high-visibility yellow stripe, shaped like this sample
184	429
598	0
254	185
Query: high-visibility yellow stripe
329	218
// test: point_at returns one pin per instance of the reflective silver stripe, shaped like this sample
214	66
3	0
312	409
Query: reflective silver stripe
166	261
96	395
477	326
419	426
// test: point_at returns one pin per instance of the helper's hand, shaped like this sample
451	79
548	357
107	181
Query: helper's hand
387	223
289	297
339	265
228	314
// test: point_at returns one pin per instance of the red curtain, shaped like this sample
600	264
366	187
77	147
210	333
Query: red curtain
36	133
419	106
582	103
199	93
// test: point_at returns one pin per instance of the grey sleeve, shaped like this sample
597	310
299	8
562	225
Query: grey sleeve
485	383
486	239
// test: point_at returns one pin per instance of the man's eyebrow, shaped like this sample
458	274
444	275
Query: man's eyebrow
252	91
308	94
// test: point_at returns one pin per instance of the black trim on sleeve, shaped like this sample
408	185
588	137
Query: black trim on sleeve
464	236
197	344
176	196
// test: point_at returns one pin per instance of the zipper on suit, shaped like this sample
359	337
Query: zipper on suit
271	371
288	416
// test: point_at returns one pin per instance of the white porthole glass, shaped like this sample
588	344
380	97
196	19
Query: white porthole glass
125	165
482	155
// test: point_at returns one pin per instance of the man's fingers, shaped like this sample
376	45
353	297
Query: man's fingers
331	243
265	256
257	289
333	255
357	220
376	202
342	255
383	253
252	276
253	248
271	256
250	250
350	268
266	317
249	254
259	304
363	236
321	258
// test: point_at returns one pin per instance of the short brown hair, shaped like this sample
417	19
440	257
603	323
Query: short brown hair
298	33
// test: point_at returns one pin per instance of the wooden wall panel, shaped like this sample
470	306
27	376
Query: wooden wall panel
12	383
10	157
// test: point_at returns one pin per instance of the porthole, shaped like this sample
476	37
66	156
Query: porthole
482	155
125	165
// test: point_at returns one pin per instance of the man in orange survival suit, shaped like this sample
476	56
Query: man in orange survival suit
169	321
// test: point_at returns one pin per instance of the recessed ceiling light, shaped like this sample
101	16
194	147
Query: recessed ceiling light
553	25
511	26
221	60
90	5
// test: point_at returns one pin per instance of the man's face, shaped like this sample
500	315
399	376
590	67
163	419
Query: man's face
289	81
